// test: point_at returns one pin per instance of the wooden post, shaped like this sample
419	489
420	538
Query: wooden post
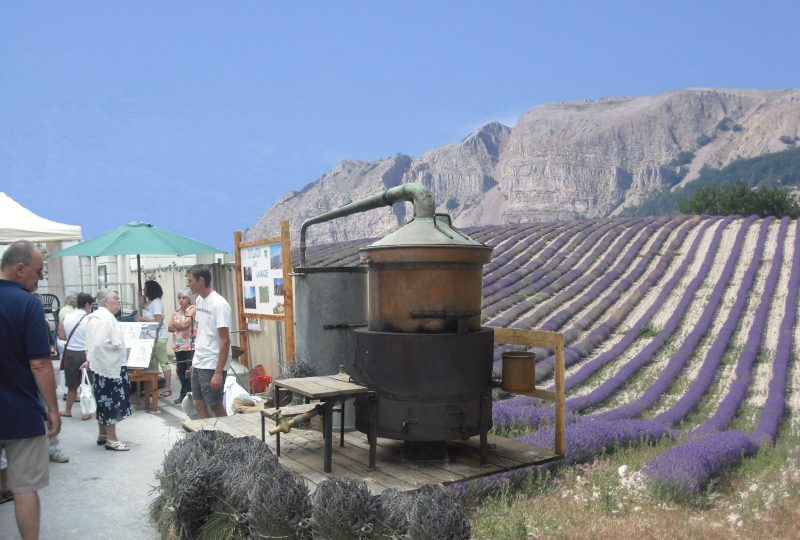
288	293
559	390
243	338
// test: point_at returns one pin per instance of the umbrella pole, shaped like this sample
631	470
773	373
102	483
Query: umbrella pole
139	273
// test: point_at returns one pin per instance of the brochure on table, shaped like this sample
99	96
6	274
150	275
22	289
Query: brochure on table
139	340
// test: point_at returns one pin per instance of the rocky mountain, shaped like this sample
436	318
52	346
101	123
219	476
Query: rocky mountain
561	161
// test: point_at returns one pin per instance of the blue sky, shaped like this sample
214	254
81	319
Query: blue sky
196	116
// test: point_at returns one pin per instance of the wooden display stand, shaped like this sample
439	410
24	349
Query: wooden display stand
288	307
150	379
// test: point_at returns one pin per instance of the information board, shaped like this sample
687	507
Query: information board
262	279
139	340
264	287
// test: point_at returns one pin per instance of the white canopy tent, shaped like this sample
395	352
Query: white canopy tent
19	223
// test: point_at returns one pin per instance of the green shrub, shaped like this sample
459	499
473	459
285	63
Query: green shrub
739	199
765	171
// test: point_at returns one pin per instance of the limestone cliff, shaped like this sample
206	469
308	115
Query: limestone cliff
561	161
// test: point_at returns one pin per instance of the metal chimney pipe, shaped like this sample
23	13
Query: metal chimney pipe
418	194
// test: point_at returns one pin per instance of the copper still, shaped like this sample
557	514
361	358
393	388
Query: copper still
423	351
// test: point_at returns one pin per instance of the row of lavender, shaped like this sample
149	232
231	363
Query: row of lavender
630	264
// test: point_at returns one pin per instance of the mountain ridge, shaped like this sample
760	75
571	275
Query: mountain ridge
572	160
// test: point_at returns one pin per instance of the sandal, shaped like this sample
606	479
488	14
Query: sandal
119	446
64	414
86	417
165	394
6	496
101	441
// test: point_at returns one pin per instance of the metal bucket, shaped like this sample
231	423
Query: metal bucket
519	371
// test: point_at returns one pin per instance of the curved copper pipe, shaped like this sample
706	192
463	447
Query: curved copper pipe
418	194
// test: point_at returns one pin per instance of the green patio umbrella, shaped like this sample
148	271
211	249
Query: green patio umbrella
137	238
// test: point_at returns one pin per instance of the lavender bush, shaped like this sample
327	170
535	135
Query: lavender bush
690	466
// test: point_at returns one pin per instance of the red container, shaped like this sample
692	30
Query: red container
258	379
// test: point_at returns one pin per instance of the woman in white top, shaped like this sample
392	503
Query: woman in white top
107	358
73	331
153	311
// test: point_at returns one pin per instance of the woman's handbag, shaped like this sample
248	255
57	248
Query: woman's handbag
86	395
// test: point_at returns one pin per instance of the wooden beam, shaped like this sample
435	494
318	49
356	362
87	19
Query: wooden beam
267	316
244	342
253	243
542	394
288	291
558	375
528	338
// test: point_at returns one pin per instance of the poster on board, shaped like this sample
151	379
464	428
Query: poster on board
139	340
262	279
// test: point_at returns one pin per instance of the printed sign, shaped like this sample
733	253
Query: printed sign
139	340
262	279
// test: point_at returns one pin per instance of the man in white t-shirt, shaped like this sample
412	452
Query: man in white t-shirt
212	346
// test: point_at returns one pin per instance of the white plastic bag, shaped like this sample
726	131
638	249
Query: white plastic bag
232	391
187	405
61	383
86	395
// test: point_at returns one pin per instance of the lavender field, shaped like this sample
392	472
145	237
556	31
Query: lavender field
680	336
680	329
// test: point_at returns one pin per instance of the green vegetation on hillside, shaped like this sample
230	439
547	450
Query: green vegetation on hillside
741	200
770	173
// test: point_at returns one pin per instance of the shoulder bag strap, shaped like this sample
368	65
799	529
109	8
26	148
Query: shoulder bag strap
69	337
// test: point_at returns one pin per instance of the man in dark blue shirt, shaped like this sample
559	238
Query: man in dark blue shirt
27	383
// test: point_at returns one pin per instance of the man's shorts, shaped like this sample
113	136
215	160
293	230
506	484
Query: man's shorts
201	387
73	360
28	463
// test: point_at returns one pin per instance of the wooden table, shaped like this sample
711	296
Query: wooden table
329	390
150	379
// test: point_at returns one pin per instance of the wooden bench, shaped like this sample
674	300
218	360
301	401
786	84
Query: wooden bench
150	379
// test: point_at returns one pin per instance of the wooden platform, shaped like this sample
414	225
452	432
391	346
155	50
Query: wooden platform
302	453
